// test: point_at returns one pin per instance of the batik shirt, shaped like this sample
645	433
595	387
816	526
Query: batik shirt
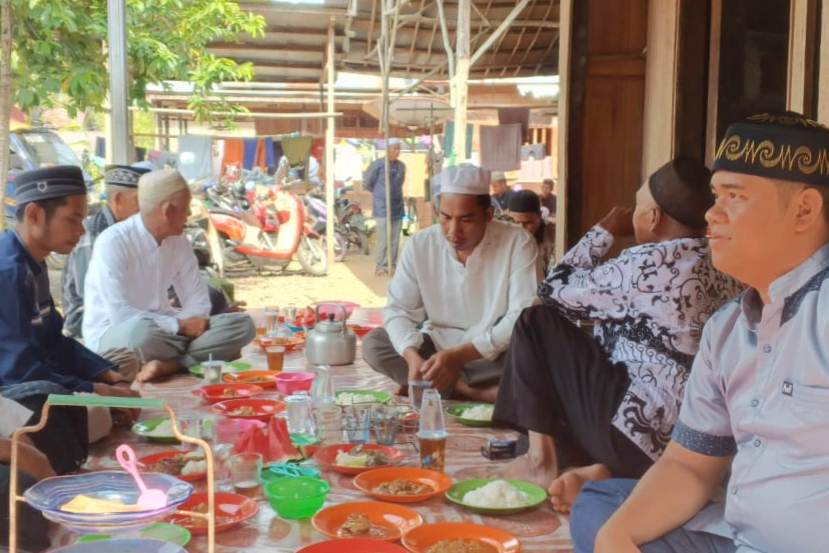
650	304
32	347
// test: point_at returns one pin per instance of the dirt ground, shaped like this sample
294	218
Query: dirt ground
351	280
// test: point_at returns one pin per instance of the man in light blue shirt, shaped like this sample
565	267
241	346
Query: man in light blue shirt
756	406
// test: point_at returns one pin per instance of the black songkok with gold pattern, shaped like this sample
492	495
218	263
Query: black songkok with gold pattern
783	146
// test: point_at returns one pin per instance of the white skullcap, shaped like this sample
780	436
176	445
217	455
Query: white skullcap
498	175
156	186
463	179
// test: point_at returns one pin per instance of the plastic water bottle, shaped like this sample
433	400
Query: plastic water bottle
431	433
327	413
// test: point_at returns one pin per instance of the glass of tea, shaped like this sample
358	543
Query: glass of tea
276	357
245	473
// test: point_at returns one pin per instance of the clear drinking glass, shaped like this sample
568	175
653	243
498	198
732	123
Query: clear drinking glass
356	423
416	389
385	420
246	472
271	321
300	415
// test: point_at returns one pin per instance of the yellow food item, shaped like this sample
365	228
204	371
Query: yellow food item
83	504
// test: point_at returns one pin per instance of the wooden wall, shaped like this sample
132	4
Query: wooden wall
606	98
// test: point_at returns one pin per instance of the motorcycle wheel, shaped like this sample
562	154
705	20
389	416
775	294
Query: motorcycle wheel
340	247
311	254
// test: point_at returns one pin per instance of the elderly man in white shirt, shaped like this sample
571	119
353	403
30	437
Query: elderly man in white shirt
456	294
133	265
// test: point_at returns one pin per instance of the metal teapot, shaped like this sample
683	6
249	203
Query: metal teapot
330	342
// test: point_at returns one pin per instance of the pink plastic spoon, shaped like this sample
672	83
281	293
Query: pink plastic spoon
150	498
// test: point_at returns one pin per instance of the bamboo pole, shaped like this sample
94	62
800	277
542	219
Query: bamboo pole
330	122
5	99
461	79
387	54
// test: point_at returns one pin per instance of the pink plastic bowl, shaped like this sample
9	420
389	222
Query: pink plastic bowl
295	381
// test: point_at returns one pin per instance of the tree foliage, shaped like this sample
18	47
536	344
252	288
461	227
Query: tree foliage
60	50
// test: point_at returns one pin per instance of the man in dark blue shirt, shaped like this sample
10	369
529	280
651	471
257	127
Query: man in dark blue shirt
375	182
36	359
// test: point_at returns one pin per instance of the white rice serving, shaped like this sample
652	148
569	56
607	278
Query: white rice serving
349	398
478	413
498	494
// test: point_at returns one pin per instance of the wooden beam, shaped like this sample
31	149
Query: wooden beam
823	70
416	30
447	45
802	40
371	26
537	34
564	101
520	32
292	9
363	25
248	115
713	81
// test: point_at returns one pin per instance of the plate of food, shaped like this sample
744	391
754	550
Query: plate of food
493	496
346	398
214	393
231	510
352	545
459	537
251	409
402	484
159	429
104	502
356	458
290	343
230	367
190	466
263	379
366	519
472	414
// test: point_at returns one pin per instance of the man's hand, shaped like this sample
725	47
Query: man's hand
34	463
619	222
112	378
443	369
415	362
193	327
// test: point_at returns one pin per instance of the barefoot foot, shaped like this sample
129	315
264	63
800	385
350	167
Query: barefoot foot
530	470
564	489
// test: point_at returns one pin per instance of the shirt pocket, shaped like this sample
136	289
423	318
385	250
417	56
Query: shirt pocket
806	420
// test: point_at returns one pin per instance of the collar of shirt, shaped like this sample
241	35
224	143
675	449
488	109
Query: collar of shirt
785	287
34	266
476	252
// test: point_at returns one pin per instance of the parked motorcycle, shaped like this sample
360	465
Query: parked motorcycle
317	214
248	244
353	223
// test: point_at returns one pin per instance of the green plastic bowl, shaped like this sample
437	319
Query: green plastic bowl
299	497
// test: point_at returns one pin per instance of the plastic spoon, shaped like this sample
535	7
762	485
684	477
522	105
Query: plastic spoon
150	499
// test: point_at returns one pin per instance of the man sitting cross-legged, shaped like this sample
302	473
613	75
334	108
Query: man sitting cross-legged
134	263
612	399
456	294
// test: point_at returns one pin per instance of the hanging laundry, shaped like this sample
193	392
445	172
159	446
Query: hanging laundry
249	159
501	147
508	116
297	149
195	156
234	153
449	139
